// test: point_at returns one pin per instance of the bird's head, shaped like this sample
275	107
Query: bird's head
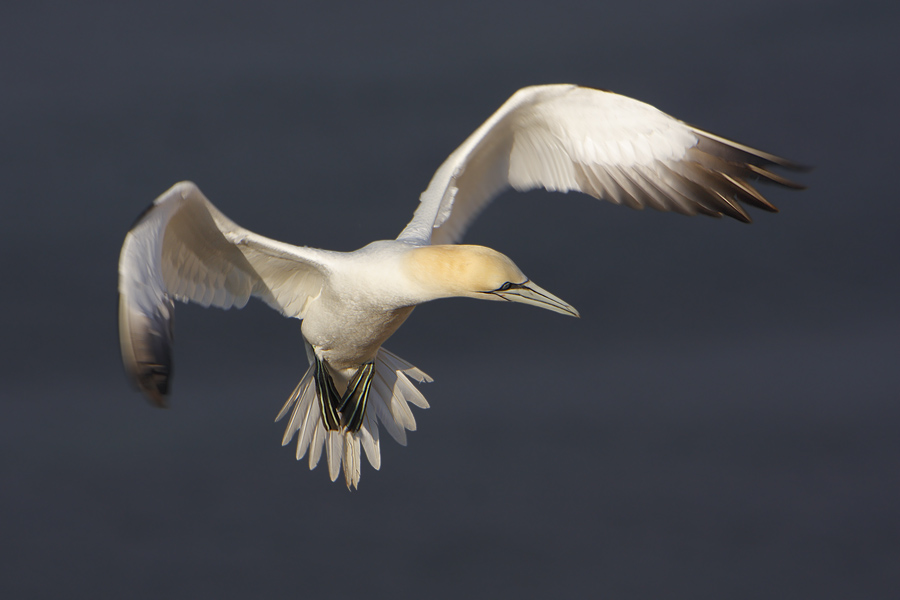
478	272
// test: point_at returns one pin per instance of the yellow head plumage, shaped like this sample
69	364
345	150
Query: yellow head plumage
461	270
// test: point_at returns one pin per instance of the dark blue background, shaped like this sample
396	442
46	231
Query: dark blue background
722	422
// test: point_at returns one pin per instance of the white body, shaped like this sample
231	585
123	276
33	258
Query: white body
560	137
361	304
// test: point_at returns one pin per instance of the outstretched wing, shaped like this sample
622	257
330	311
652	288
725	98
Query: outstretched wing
565	137
183	248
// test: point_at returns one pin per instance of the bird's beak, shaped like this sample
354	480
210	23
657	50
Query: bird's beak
531	293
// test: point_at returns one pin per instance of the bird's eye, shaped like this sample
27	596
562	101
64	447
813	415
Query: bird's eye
511	286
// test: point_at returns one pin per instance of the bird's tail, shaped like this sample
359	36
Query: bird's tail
389	397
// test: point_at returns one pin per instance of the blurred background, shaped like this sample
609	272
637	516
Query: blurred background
721	422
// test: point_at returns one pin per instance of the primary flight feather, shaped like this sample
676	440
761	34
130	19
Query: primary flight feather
557	137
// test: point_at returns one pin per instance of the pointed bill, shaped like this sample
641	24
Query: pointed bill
531	293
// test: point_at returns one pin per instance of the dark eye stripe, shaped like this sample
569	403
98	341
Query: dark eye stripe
511	286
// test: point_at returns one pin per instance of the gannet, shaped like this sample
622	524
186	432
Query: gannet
557	137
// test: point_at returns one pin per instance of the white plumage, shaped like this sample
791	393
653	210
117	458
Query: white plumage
559	137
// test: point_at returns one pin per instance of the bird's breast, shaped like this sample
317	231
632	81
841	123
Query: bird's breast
348	334
365	299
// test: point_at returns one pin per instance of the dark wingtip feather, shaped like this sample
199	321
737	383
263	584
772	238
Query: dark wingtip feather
798	167
146	345
153	380
775	178
736	212
141	216
735	151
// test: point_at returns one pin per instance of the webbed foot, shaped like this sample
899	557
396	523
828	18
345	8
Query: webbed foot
329	400
347	411
353	403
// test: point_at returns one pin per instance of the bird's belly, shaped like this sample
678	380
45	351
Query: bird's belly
350	336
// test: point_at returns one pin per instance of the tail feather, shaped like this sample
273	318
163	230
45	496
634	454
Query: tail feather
316	442
351	459
398	364
293	397
389	399
333	451
411	393
308	409
383	411
370	442
399	408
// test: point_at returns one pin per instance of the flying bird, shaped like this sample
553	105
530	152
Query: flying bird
557	137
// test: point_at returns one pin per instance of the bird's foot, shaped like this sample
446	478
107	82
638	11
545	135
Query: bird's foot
347	411
353	403
329	400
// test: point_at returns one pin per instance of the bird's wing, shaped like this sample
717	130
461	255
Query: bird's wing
183	248
565	137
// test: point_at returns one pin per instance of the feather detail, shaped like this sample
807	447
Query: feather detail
389	398
351	459
368	434
334	449
569	138
316	443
